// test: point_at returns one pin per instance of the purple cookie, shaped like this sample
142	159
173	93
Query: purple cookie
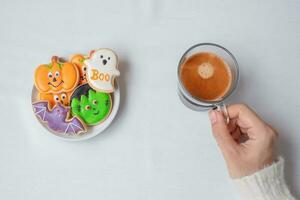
57	118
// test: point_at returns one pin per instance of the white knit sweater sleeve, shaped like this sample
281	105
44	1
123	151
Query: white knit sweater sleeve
266	184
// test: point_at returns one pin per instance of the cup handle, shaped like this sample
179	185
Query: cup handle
223	108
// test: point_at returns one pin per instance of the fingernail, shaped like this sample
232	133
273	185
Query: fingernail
212	116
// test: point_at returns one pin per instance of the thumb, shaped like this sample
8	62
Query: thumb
221	133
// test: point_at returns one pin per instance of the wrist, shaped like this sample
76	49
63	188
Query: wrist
268	183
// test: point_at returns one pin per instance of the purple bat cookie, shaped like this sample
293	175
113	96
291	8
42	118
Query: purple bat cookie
56	118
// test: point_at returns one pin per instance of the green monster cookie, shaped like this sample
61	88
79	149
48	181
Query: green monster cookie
92	109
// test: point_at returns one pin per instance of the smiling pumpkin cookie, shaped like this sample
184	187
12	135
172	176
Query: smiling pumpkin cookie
62	98
55	80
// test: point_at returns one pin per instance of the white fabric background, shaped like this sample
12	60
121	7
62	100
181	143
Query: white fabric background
156	148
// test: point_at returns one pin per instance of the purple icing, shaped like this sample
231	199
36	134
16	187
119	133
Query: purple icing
56	118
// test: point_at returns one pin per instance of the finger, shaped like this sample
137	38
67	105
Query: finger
221	132
232	125
236	134
246	117
273	129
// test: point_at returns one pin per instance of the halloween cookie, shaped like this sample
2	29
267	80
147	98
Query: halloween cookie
62	98
92	107
78	60
102	68
80	90
69	97
57	118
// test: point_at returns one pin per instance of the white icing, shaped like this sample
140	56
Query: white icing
102	69
43	109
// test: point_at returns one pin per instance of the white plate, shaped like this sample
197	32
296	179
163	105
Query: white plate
92	131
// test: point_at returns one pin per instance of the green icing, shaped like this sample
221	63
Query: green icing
93	108
50	65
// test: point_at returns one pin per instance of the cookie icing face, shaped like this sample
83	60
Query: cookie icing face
92	109
78	60
102	70
56	77
57	120
62	98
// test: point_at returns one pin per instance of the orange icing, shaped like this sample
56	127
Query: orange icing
78	60
56	77
62	98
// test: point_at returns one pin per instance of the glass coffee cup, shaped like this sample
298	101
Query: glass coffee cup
196	103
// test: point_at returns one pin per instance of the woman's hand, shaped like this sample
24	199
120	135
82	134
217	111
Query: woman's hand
247	142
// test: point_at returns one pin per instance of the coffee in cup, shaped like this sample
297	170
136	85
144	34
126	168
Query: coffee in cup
206	76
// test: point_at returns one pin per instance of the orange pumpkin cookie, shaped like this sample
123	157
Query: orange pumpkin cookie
62	98
56	77
78	60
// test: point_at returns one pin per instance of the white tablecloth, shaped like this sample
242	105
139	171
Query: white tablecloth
156	148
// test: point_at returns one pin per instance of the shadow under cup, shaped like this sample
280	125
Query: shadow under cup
195	103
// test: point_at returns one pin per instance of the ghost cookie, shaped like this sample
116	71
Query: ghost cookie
101	69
